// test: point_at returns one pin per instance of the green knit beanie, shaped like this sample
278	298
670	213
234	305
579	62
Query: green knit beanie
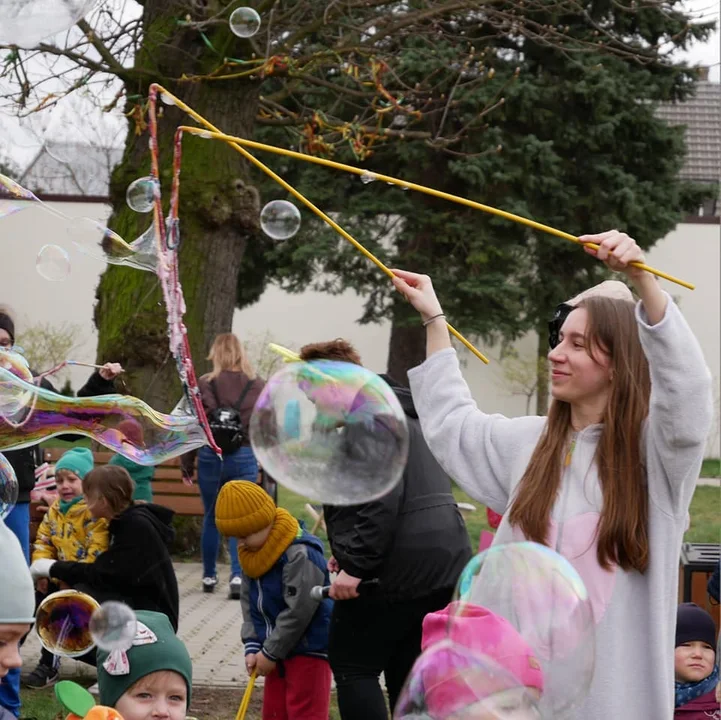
167	652
77	460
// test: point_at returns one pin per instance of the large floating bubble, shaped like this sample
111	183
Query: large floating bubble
53	263
113	626
122	423
18	400
244	22
450	682
280	219
8	487
333	432
26	22
140	194
543	597
62	623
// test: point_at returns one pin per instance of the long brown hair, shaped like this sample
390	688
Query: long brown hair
227	353
623	527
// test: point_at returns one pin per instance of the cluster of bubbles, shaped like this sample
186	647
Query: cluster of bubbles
516	643
70	623
332	431
8	487
27	22
244	22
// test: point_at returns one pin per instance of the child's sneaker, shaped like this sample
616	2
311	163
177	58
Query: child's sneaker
42	677
235	583
209	584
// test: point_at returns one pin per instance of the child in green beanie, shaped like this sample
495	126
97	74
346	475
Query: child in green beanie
17	605
68	532
153	678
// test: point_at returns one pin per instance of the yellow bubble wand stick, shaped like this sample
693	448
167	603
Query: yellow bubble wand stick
300	197
231	139
245	702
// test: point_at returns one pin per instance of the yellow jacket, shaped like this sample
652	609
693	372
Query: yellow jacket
70	536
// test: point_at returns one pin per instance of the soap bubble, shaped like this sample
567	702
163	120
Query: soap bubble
450	682
113	626
122	423
26	22
244	22
53	263
8	487
280	219
18	394
62	623
140	195
543	597
369	177
333	432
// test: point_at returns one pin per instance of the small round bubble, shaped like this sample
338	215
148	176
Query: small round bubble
330	431
8	487
280	219
53	263
140	195
113	626
545	601
244	22
62	623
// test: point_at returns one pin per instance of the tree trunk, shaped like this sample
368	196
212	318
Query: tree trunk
218	214
407	348
542	385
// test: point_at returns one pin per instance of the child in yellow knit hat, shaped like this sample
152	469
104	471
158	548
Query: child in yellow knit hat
285	631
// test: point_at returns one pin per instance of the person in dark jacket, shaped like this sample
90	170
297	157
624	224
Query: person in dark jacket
136	568
713	583
414	542
285	630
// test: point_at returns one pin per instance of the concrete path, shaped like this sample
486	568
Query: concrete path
209	627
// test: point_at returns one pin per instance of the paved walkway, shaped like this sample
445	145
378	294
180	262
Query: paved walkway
209	626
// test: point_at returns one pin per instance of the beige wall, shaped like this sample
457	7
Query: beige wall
691	252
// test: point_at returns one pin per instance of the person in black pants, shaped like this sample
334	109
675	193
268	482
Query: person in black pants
414	542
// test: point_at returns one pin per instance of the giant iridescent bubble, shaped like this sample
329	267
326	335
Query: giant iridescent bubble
543	597
8	487
333	432
26	22
451	682
124	424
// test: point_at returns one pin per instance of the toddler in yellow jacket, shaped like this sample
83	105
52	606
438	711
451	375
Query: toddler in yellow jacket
67	532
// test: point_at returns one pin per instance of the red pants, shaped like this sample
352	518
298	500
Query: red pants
302	694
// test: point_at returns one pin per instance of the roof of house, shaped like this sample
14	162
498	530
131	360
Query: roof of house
702	117
71	169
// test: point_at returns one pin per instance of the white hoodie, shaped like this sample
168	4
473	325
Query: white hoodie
635	614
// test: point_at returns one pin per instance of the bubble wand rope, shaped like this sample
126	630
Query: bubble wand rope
167	272
232	140
301	198
245	702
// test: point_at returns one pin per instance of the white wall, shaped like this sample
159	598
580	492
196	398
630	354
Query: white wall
691	252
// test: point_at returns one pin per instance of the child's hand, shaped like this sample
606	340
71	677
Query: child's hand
264	665
250	662
42	585
110	371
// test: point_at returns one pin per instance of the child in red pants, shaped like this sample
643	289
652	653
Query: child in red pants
285	631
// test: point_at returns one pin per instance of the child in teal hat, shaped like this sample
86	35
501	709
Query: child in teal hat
68	532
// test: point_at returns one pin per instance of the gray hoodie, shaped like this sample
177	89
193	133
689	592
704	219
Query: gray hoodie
635	614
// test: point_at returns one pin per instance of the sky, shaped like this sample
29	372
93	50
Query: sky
20	140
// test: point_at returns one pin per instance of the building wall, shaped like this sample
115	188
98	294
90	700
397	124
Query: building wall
692	252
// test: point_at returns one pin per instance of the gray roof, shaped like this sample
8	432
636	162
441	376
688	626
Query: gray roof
72	169
702	117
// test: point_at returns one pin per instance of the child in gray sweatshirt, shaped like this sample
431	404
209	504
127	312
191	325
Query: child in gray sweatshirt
488	455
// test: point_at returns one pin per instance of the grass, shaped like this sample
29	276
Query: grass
207	704
711	468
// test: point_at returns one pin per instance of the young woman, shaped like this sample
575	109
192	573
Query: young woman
232	385
606	479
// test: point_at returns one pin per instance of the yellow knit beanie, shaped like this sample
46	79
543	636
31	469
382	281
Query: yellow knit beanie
243	508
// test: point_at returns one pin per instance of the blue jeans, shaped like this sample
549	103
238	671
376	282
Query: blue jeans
19	522
213	473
